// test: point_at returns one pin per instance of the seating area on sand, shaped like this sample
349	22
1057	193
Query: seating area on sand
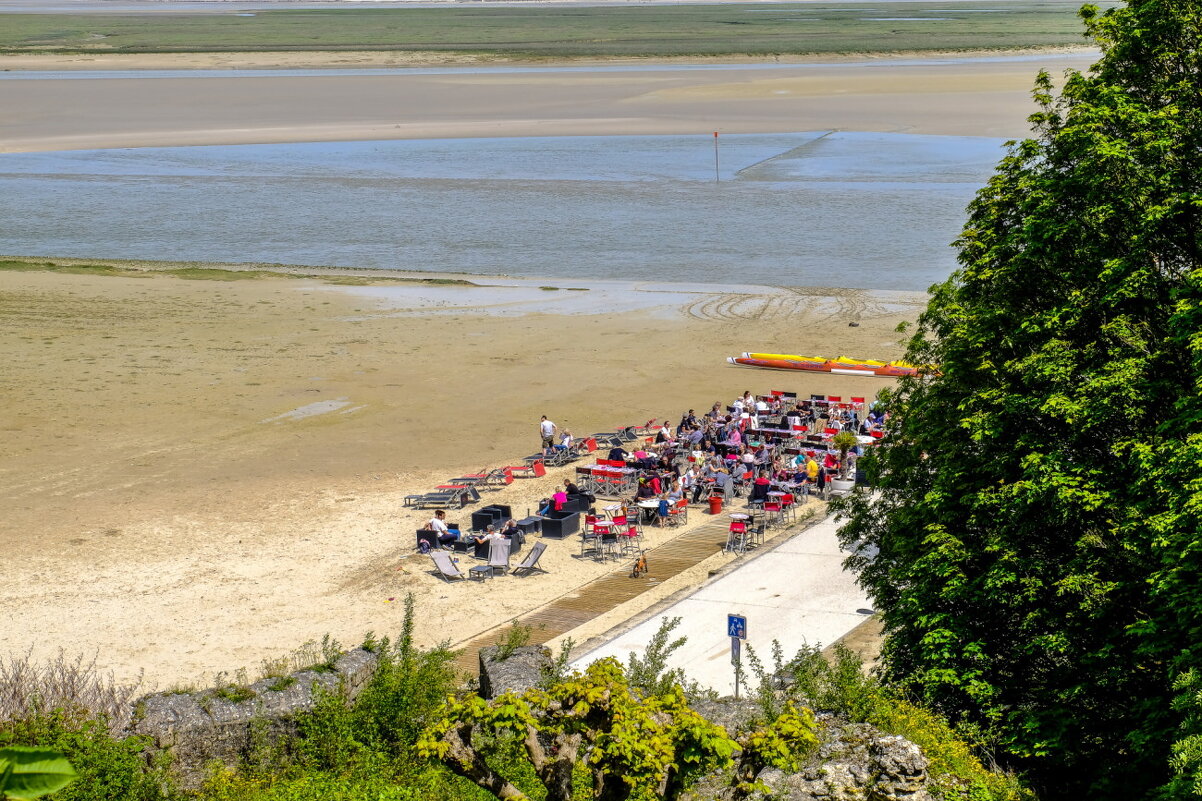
774	450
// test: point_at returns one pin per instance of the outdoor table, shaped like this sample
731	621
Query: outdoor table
739	516
480	571
529	525
650	509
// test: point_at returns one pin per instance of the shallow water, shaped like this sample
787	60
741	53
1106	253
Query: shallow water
862	210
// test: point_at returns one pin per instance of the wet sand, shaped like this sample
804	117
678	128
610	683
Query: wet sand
960	97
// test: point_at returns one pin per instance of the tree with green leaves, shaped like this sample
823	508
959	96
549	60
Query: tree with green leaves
1034	543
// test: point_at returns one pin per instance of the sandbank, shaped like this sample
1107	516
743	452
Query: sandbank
169	508
67	111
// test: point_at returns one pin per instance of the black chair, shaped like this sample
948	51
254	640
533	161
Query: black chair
503	510
427	536
577	503
488	516
516	540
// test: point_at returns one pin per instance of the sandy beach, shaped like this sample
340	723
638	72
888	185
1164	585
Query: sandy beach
172	504
164	510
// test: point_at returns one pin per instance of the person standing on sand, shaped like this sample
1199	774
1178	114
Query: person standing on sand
546	430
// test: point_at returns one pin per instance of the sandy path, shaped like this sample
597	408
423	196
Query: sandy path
985	98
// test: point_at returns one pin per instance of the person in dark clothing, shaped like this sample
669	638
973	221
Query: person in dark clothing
618	454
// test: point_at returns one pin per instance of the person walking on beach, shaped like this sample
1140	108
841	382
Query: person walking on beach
546	430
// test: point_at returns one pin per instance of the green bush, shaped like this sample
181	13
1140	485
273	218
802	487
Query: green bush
108	768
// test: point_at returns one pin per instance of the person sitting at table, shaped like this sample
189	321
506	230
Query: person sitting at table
438	524
489	533
759	489
645	490
676	493
618	454
812	468
555	502
664	434
570	488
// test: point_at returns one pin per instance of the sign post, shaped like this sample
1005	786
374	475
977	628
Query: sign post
717	175
736	629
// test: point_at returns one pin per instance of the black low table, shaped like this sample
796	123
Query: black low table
529	525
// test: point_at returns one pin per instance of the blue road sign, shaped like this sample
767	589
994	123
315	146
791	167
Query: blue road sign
736	626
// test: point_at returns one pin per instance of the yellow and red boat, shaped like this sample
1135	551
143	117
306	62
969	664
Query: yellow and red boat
781	361
896	370
843	365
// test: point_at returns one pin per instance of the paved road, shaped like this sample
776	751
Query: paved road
796	593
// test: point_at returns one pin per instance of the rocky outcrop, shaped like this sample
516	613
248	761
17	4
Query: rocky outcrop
522	669
854	762
226	724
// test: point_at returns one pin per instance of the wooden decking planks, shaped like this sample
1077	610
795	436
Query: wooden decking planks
607	592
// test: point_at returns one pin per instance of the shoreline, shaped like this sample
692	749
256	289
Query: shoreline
389	276
385	59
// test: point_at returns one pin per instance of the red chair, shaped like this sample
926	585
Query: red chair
835	398
631	539
773	513
789	506
736	538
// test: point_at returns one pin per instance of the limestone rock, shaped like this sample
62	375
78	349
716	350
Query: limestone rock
197	728
519	672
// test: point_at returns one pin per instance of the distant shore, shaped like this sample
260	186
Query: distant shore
984	97
383	59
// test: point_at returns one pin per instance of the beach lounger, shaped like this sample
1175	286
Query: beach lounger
498	556
469	491
446	568
530	563
533	469
443	499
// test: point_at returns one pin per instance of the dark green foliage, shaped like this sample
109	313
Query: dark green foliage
1039	570
107	768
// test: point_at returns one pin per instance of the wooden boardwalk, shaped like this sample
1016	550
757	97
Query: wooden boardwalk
609	591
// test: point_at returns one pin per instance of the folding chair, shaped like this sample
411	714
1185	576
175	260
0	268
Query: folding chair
498	556
446	567
530	563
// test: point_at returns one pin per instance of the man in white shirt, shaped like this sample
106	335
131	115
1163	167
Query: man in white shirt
438	524
547	430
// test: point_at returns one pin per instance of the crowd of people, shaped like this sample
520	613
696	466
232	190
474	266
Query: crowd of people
750	447
766	442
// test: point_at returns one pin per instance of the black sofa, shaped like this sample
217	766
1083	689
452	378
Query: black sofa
561	524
